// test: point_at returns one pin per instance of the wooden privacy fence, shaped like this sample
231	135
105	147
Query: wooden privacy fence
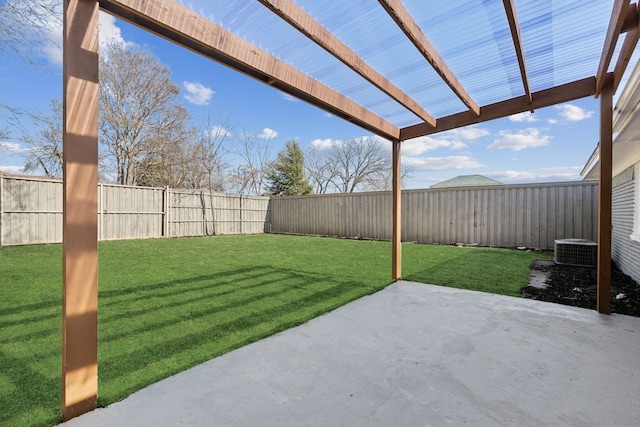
31	212
531	215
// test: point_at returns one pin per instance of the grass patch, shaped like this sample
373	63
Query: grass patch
498	271
168	304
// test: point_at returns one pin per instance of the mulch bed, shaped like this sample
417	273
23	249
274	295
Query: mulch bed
576	286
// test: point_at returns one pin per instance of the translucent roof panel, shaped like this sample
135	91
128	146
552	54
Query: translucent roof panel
562	42
256	24
368	30
475	42
562	39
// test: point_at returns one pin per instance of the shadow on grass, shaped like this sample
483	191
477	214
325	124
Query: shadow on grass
28	396
150	331
186	328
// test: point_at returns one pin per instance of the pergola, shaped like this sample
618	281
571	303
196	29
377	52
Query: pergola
399	69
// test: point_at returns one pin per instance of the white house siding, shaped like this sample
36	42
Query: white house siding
625	251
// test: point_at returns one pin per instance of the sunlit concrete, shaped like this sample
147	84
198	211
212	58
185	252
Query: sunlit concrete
412	355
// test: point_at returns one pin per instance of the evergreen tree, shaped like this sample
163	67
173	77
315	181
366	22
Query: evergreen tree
286	175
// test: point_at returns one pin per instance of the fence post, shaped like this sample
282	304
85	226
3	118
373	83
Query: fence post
165	212
100	211
1	208
241	216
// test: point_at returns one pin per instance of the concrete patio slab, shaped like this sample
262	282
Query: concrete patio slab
411	355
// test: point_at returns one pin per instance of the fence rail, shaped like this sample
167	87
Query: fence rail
531	215
31	212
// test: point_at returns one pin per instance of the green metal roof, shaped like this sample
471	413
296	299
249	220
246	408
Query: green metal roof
467	181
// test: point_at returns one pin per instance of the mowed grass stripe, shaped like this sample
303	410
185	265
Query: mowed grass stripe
166	305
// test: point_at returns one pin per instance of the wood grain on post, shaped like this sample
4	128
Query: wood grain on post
604	197
80	209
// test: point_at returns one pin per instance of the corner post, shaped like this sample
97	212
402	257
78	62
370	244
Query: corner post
80	208
604	197
396	233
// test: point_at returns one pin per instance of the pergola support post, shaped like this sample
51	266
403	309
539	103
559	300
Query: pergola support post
80	208
604	197
396	237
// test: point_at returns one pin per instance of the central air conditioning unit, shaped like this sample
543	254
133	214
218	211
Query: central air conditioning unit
578	252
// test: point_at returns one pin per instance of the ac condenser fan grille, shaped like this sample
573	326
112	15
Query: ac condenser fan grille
579	252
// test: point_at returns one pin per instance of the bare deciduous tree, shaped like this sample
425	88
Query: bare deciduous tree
26	25
358	164
43	141
26	28
140	115
45	145
209	152
170	162
255	152
320	170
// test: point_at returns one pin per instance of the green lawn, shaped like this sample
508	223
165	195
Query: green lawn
166	305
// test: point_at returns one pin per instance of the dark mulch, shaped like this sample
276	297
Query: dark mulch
576	286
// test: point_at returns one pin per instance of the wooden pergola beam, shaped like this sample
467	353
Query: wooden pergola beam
311	28
512	17
632	30
631	19
410	27
544	98
188	29
628	46
618	16
605	197
80	208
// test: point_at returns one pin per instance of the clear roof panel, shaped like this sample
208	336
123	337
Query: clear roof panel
562	42
475	42
562	39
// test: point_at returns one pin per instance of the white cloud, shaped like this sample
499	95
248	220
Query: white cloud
554	174
322	144
573	113
417	146
218	132
197	93
453	139
12	148
267	134
52	46
553	121
385	142
288	97
442	163
526	116
527	138
468	133
12	169
109	31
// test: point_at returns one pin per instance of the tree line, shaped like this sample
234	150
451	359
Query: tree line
147	137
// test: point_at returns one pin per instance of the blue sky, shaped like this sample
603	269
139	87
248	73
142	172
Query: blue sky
552	144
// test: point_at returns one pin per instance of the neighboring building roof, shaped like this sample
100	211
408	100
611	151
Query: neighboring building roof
626	131
467	181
